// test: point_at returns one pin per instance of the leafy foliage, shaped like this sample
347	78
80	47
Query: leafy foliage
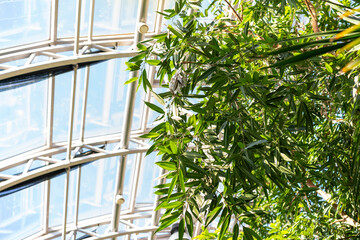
258	123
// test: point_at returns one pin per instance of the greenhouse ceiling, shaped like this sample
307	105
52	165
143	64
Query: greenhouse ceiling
72	164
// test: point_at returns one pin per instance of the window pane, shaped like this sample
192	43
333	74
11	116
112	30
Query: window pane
24	21
21	213
67	18
97	188
115	16
23	118
106	98
149	172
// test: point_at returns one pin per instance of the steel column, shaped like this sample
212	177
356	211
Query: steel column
66	193
91	20
83	111
129	110
54	20
71	118
77	27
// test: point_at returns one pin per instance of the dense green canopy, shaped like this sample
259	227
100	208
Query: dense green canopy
258	130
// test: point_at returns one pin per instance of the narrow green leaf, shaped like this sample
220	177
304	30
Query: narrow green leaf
250	145
137	57
224	227
254	234
181	229
181	180
212	215
131	80
172	185
189	223
153	62
169	220
146	84
235	232
307	55
171	166
250	176
174	31
158	98
173	196
172	205
150	135
155	108
141	47
207	73
173	147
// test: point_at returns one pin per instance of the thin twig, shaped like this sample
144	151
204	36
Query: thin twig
234	11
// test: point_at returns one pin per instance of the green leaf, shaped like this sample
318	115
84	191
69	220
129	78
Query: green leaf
212	215
168	221
181	228
253	233
181	180
189	223
162	191
137	57
158	98
193	155
141	47
150	135
206	74
174	31
224	227
328	67
153	62
173	196
171	166
251	176
131	80
146	84
253	144
306	55
236	232
172	205
155	108
172	185
173	147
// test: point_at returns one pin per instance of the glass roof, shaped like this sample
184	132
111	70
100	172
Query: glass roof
72	164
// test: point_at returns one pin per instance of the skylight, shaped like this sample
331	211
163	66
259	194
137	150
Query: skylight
70	150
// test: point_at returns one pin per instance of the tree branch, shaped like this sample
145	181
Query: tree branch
314	22
234	11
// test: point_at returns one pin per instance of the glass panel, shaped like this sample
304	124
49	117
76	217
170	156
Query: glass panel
67	18
97	188
151	17
21	213
106	98
63	83
149	172
115	16
23	118
72	195
24	21
57	187
138	109
130	168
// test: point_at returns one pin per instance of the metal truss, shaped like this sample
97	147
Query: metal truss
53	164
84	50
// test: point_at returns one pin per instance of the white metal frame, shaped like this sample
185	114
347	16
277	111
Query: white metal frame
82	48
